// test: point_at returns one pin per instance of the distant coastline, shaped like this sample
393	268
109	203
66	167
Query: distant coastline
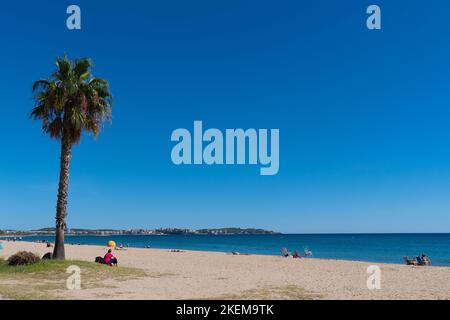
136	232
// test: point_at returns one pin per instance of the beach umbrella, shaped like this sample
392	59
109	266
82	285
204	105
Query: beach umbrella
111	244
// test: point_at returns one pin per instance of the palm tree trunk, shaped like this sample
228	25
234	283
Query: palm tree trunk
61	207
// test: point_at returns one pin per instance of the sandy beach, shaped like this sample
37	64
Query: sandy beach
212	275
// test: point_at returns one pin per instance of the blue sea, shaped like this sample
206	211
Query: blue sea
387	248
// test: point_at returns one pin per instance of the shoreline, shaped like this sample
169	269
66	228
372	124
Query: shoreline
219	252
225	252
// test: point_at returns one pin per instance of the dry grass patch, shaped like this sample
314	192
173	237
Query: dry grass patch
289	292
44	279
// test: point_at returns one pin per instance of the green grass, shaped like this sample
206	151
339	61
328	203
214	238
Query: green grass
42	266
46	279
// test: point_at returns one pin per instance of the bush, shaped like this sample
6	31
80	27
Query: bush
23	258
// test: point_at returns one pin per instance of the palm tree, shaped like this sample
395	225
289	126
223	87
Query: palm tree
69	102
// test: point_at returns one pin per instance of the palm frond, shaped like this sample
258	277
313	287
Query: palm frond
40	84
55	128
71	100
64	68
81	68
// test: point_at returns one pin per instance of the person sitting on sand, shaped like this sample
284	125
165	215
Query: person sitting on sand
296	255
120	247
410	262
426	260
419	260
110	259
285	252
307	252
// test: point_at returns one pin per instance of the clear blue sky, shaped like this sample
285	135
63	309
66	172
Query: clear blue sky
364	116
